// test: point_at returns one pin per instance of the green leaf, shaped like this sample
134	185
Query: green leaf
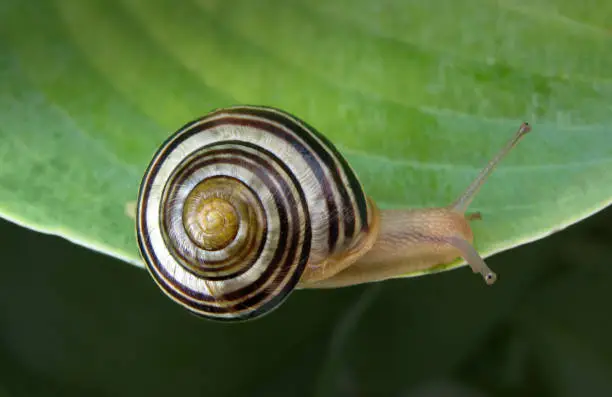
417	95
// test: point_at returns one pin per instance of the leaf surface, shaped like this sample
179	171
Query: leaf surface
418	96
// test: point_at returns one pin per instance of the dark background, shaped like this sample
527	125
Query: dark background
77	323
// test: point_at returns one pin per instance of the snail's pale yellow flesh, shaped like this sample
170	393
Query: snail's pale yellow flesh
336	263
412	241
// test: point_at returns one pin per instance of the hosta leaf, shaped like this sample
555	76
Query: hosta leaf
417	95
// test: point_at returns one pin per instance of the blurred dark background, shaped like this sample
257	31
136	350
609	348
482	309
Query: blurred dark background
77	323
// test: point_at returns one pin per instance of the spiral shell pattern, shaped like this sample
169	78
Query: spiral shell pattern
235	205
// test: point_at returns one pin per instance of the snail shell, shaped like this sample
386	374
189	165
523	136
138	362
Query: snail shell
235	205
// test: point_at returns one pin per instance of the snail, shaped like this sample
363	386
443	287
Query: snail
247	203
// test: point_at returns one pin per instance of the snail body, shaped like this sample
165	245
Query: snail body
244	205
